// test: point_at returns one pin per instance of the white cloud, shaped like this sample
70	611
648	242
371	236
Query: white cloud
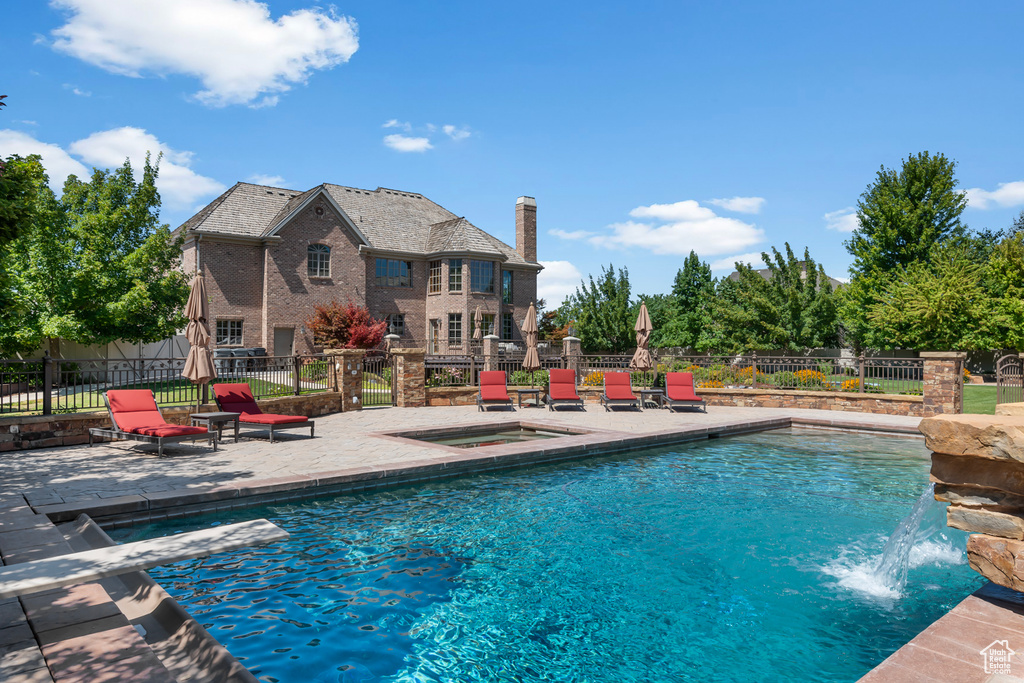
573	235
684	226
179	185
1005	195
395	123
558	280
57	162
76	90
456	133
404	143
843	220
740	204
752	259
263	179
237	51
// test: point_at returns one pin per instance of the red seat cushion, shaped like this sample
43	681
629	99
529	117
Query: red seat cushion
134	408
679	387
492	386
617	386
270	418
168	430
562	385
236	398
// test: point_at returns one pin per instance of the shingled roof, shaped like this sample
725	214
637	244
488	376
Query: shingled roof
392	220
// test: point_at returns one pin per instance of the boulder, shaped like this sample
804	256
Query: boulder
986	521
999	560
997	437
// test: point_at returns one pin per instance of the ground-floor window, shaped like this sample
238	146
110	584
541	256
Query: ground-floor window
396	323
454	328
229	332
506	326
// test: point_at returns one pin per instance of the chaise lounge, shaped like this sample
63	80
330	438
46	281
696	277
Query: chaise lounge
493	390
238	398
135	416
562	389
618	391
679	392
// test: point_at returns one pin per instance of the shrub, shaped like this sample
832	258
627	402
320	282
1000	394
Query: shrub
810	378
594	379
850	385
315	371
345	327
449	377
710	384
522	378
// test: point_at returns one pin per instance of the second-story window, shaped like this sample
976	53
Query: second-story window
481	277
393	273
318	260
455	275
434	283
506	286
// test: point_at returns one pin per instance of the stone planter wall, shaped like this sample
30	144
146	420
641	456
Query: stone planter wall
22	433
978	468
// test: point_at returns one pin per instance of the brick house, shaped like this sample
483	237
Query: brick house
269	254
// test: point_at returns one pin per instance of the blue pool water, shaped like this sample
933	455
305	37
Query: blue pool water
738	559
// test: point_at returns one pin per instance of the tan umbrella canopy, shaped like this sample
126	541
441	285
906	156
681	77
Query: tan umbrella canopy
642	360
199	363
478	322
531	361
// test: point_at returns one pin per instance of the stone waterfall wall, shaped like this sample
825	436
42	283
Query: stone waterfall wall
978	468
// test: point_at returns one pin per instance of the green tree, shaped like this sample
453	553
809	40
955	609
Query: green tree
603	315
1005	285
693	294
936	305
98	266
792	308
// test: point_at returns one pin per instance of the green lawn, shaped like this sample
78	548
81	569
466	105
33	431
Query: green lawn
980	399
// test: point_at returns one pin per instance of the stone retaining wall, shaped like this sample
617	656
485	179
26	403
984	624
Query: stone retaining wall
21	433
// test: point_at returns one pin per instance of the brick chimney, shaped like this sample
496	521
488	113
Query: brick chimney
526	228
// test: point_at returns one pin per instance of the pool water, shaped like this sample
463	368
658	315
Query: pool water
475	439
737	559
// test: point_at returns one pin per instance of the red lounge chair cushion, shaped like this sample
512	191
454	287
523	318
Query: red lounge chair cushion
617	386
133	409
679	387
270	418
236	398
562	385
492	386
168	430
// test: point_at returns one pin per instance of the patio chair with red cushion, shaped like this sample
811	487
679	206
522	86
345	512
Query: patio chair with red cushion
134	416
562	389
238	398
618	391
679	392
493	391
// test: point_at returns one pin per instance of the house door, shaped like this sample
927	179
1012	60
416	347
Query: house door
284	341
435	332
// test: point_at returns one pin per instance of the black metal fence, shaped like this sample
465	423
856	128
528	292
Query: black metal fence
378	379
1010	379
58	385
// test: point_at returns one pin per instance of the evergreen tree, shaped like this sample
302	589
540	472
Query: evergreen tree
603	315
693	293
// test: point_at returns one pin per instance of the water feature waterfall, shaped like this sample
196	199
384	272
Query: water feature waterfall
892	568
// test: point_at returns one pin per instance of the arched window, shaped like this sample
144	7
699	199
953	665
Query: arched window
318	259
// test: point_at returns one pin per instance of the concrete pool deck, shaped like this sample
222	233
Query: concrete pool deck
122	482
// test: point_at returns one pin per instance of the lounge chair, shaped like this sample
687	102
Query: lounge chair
562	389
618	391
238	398
493	390
679	392
135	416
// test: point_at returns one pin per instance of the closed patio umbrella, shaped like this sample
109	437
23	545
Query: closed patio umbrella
478	322
531	361
199	367
642	360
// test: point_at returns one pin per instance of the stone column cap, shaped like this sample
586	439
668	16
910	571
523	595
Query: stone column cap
565	339
948	355
492	336
408	352
345	352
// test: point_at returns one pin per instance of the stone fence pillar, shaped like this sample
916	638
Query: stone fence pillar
348	368
491	352
410	378
943	392
571	351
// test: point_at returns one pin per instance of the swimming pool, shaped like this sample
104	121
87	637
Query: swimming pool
735	559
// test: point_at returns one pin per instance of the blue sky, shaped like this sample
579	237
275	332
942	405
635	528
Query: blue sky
643	129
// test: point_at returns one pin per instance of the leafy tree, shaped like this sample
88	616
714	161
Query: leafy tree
1005	285
792	308
98	266
662	309
602	311
21	179
693	294
348	326
904	216
939	305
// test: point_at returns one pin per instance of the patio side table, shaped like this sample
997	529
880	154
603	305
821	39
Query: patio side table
530	392
650	395
216	420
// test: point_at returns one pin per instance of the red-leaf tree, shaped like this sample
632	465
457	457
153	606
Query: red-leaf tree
348	326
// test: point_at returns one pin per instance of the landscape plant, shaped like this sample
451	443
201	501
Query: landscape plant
345	326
